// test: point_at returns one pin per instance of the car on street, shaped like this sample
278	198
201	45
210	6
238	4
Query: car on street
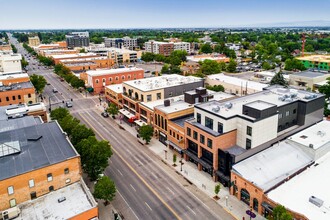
105	114
69	104
55	90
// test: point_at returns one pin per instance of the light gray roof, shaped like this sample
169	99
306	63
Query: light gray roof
309	74
41	145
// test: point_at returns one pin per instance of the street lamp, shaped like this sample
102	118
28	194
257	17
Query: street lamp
181	164
165	154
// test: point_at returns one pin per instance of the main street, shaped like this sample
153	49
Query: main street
147	188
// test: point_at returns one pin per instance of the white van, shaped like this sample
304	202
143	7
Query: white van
10	213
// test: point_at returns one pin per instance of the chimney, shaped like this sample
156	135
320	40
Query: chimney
167	102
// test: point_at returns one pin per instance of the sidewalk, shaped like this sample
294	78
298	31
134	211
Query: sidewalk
199	178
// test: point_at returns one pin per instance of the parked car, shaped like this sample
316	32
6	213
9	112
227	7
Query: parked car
55	90
69	104
105	114
61	79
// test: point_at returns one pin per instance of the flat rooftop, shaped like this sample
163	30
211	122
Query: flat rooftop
216	58
77	200
316	58
153	104
16	86
310	74
237	81
102	72
39	146
273	165
274	95
84	59
175	107
13	76
17	123
317	135
117	88
161	82
77	55
180	121
295	193
260	105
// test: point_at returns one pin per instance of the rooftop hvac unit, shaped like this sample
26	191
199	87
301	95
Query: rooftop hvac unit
216	108
288	100
281	98
316	201
229	105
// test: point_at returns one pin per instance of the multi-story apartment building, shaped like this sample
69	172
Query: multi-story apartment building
17	93
125	42
156	88
77	39
10	63
34	41
99	79
320	62
223	133
165	48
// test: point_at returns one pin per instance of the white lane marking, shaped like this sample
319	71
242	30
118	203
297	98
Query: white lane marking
130	152
148	206
132	187
138	160
110	161
127	204
120	172
191	210
170	190
155	175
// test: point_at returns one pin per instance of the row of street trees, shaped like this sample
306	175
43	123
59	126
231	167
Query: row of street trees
94	154
67	75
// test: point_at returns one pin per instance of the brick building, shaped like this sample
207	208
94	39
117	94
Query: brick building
99	79
12	78
18	93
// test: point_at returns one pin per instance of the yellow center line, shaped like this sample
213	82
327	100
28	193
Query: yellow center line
134	171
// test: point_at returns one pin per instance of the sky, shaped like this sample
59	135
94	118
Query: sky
76	14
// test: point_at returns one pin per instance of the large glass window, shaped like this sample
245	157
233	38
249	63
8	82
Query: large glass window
49	177
195	135
198	118
248	143
249	130
209	143
31	183
148	98
188	131
220	127
10	190
208	122
202	139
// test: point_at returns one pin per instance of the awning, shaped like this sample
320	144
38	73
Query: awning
197	159
222	176
177	148
126	113
140	122
267	206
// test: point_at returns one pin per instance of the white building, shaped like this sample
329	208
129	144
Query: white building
125	42
10	63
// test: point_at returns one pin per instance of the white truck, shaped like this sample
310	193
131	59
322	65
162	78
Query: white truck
10	213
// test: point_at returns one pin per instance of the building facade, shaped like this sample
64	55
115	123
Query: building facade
34	41
237	129
18	93
319	62
165	48
99	79
77	39
10	63
125	42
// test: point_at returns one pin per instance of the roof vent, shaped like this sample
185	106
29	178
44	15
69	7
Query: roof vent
316	201
34	138
229	105
216	108
311	146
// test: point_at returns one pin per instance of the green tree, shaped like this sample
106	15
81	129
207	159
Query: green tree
231	67
68	123
24	63
76	82
278	79
39	82
294	64
82	50
165	69
105	189
175	69
146	132
222	66
148	57
210	67
112	109
80	132
206	48
177	57
94	156
174	159
216	88
13	48
325	89
266	66
280	213
59	113
217	190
